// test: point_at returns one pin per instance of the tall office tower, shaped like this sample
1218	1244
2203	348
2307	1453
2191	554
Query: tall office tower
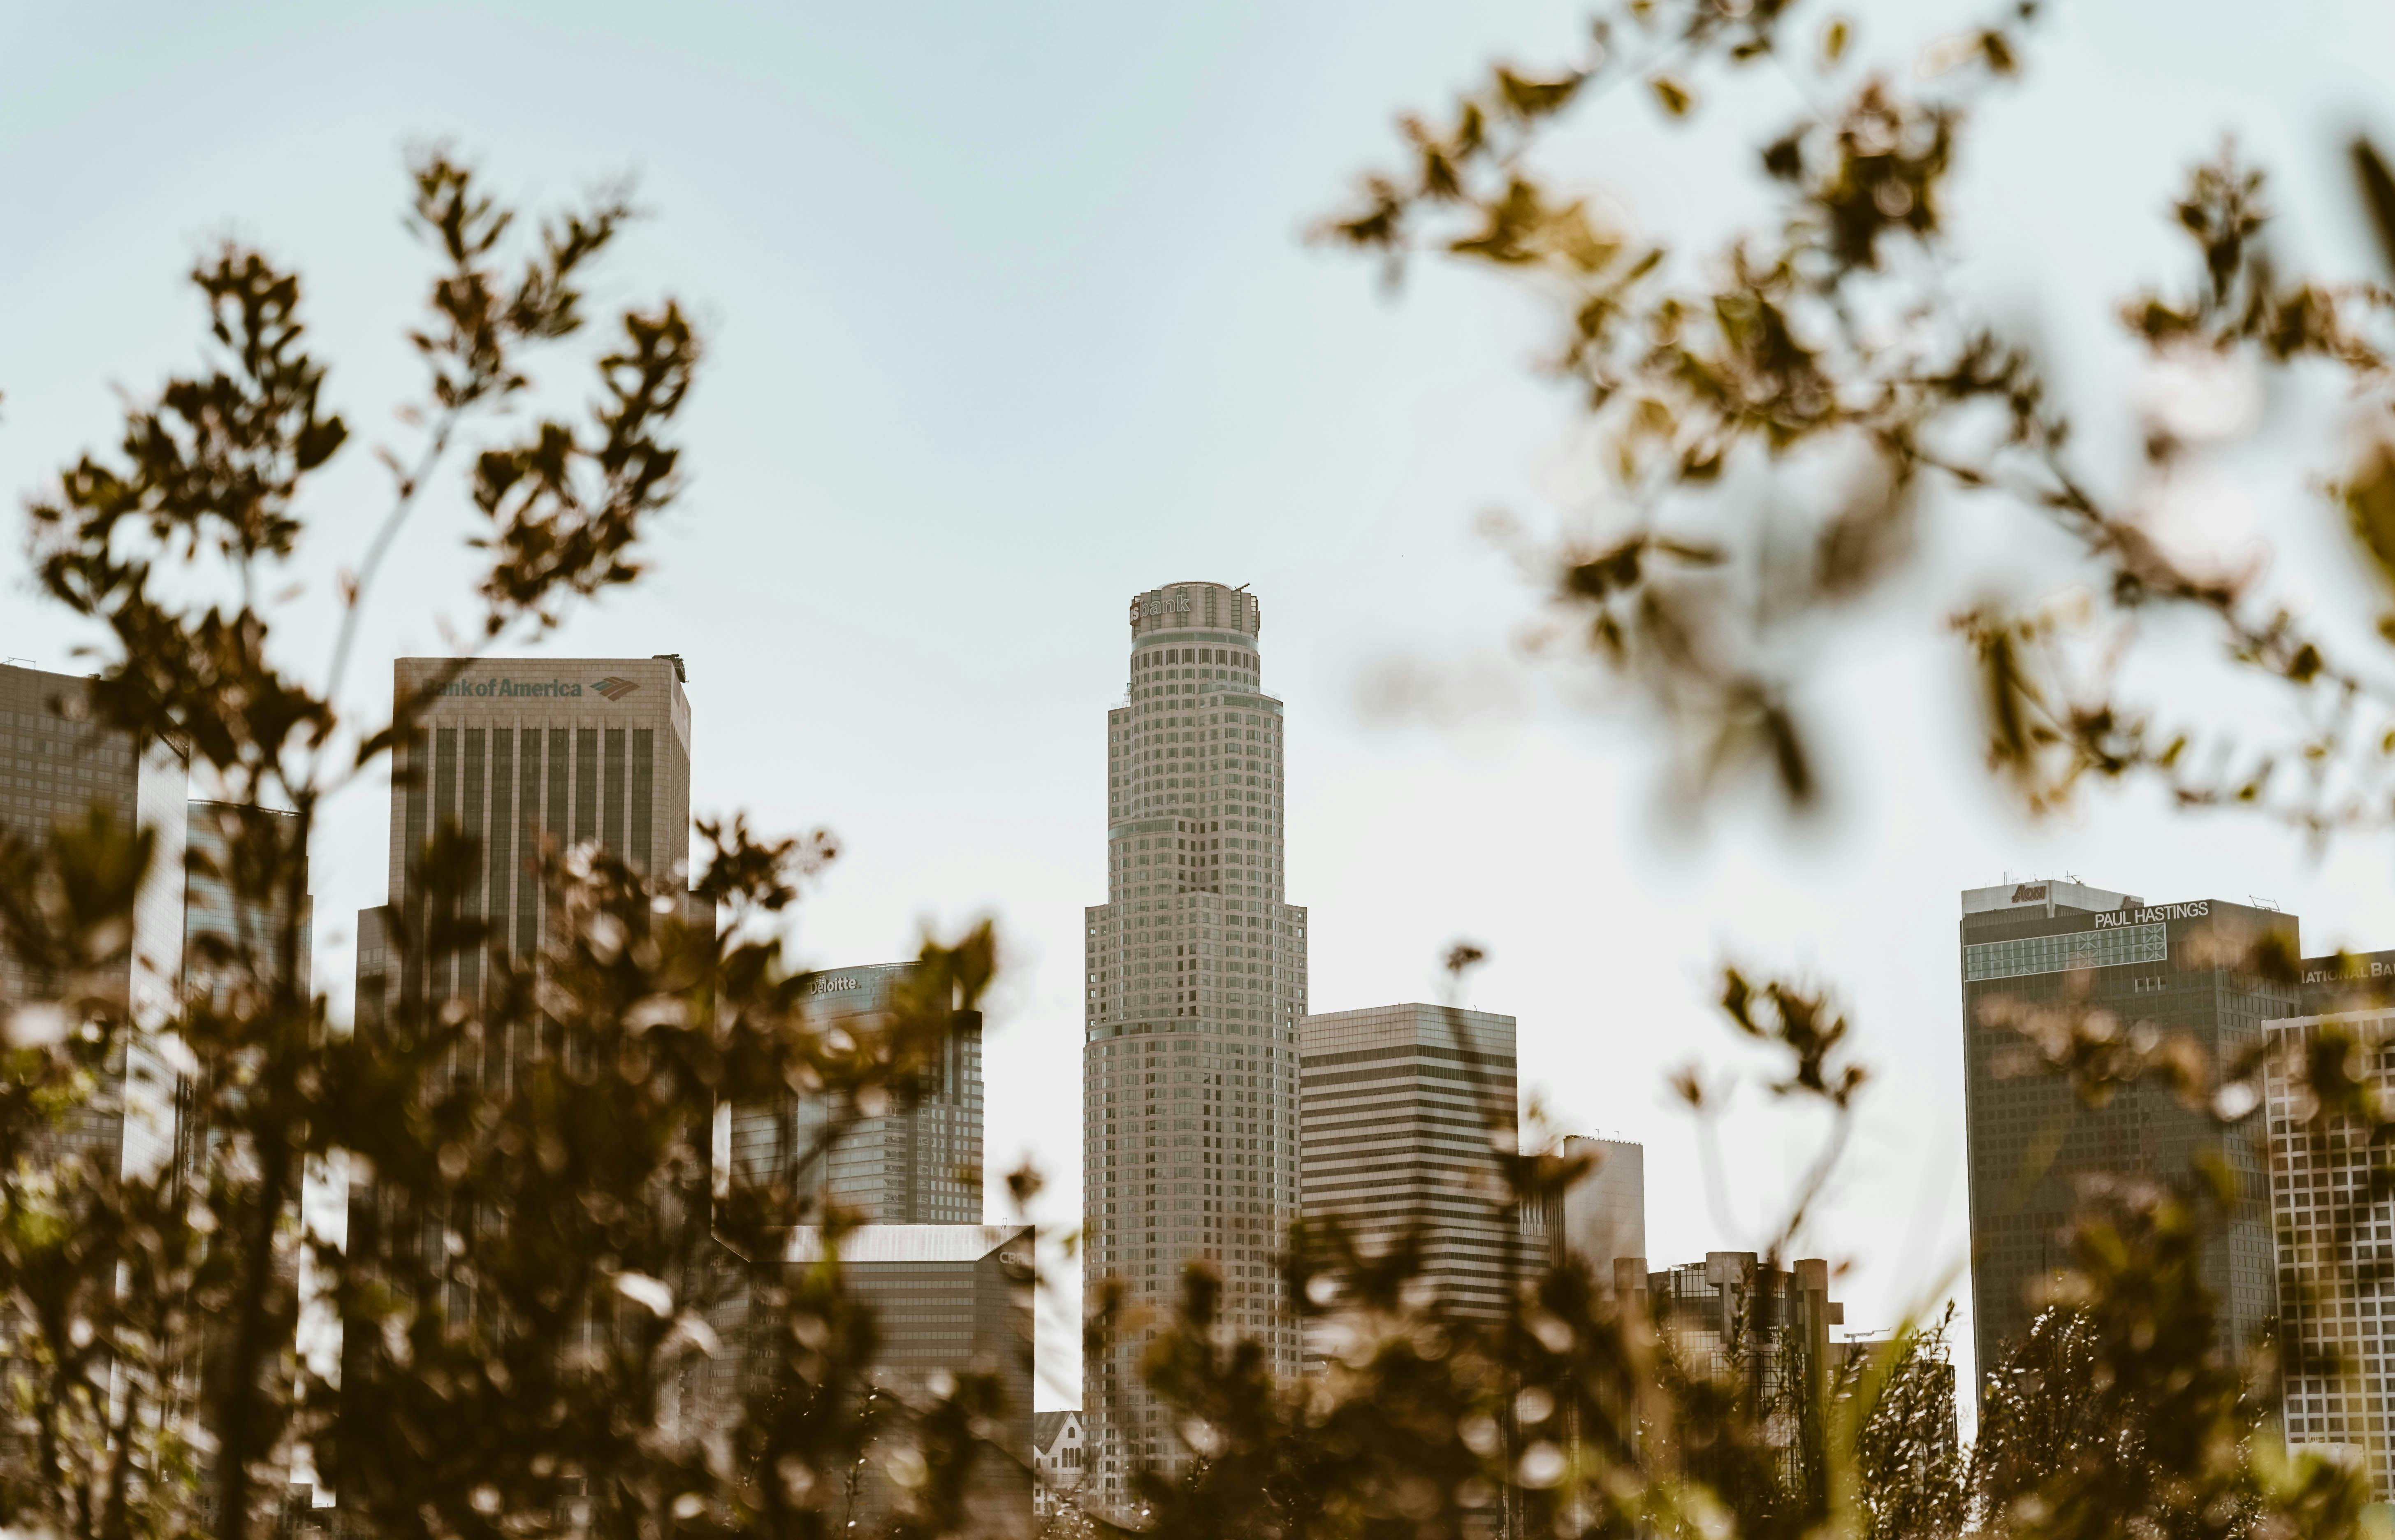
1197	979
920	1165
1398	1109
510	752
61	767
2333	1223
1600	1219
2172	965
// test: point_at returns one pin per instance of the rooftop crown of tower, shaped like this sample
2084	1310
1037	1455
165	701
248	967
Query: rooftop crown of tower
1196	606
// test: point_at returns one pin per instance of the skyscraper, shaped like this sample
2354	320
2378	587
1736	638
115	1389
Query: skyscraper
61	765
2170	967
511	752
1397	1109
1195	982
214	906
1603	1217
514	750
917	1165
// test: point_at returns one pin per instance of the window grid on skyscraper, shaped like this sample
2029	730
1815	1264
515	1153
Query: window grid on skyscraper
1195	980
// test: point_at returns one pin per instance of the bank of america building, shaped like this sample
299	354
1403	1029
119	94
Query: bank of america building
2178	967
1196	979
511	752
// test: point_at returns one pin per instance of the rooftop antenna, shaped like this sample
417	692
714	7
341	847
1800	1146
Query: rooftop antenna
1241	589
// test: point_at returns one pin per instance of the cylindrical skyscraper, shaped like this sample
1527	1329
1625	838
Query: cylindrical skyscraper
1196	978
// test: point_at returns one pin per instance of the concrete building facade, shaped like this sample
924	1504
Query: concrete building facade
1732	1317
2172	967
513	753
1399	1107
1194	984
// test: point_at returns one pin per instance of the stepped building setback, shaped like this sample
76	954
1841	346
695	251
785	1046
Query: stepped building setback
1195	980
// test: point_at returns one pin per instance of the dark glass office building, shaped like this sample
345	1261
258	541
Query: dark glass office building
2176	966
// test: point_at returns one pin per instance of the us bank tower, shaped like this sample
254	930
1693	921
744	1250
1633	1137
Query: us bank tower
1195	981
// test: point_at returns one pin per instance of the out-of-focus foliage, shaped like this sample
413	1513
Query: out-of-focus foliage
1584	1412
540	1230
1774	420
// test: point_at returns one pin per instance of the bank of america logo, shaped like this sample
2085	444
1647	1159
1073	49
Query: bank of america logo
614	688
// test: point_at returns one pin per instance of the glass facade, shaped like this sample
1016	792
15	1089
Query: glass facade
2030	1138
2032	955
2335	1231
920	1165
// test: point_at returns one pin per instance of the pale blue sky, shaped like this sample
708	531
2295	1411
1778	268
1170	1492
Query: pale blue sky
1009	319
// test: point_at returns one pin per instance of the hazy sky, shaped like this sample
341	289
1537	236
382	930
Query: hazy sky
1009	318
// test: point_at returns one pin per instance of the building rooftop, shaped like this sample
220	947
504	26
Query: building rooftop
906	1242
2048	893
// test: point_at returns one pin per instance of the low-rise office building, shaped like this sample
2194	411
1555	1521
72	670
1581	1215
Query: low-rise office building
946	1300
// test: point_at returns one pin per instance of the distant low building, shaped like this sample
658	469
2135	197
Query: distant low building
1731	1317
1058	1461
946	1300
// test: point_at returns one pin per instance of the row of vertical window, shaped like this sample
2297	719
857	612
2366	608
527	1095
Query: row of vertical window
489	783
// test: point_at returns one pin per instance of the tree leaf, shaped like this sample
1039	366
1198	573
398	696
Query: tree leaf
2378	196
